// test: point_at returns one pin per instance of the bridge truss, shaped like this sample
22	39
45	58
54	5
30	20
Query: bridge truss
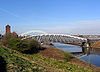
43	36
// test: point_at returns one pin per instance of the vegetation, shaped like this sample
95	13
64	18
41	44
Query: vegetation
21	45
67	57
5	39
17	58
96	45
19	62
15	63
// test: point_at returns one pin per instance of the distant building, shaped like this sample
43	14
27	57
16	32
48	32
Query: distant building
8	32
14	34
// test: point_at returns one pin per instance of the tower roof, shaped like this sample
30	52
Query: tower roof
7	25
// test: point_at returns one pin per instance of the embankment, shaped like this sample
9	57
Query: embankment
52	52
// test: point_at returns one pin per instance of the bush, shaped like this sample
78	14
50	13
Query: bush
21	45
12	42
17	44
5	39
67	56
33	44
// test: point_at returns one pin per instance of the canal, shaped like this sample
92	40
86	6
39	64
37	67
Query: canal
93	58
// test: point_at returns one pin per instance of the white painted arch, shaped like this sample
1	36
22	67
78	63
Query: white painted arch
33	31
45	34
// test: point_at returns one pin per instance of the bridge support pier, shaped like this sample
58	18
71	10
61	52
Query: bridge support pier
85	47
83	50
88	49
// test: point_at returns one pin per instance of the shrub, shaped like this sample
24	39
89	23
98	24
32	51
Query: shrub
17	44
33	44
67	56
12	42
5	39
21	45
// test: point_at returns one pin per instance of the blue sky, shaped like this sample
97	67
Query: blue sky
52	16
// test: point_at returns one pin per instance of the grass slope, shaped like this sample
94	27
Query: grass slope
18	62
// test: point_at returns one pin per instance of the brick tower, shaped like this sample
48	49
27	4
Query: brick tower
8	29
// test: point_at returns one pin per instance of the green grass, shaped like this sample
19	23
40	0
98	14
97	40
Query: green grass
18	62
67	57
60	65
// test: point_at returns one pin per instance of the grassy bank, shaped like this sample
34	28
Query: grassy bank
16	63
19	62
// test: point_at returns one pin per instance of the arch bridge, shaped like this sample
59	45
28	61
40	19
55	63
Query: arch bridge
43	36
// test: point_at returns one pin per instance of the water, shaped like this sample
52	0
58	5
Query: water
68	48
92	59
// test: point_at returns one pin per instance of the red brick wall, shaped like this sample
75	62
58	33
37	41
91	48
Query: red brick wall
8	29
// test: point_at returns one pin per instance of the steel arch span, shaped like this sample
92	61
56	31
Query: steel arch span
33	31
43	36
58	38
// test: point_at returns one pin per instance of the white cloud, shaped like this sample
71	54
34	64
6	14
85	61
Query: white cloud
89	22
81	27
57	29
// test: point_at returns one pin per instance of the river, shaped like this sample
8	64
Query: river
93	58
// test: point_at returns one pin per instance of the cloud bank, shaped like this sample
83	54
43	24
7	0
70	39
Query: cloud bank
86	27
